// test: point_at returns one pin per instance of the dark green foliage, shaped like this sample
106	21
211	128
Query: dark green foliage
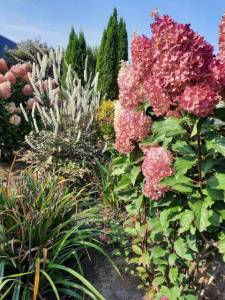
75	54
80	56
11	136
25	51
92	54
123	41
113	49
99	64
70	52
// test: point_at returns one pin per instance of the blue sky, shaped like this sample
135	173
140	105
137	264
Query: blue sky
51	20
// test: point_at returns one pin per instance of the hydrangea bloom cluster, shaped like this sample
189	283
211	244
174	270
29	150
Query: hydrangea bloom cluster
130	127
222	39
130	90
171	62
156	166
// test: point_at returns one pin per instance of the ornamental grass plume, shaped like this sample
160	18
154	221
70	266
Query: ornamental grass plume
5	90
156	166
130	127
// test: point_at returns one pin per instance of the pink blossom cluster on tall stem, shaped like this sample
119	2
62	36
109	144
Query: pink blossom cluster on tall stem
174	71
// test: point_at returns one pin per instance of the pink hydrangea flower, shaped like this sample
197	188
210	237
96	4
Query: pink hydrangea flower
156	97
30	103
11	107
222	39
26	78
5	90
27	67
199	100
15	120
131	93
156	166
181	55
142	55
130	127
3	65
19	70
27	90
2	78
10	77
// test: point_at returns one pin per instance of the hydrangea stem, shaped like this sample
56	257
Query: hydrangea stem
199	161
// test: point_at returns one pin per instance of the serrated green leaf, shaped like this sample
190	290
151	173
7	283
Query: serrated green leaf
173	273
137	250
145	259
135	171
216	143
217	182
186	219
182	165
158	252
183	148
201	215
221	245
123	184
180	248
159	280
172	258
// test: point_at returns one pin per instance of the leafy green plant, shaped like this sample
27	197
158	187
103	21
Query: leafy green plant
45	232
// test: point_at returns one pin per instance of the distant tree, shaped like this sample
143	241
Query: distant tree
75	54
113	49
80	56
123	41
25	51
109	64
92	54
99	64
69	58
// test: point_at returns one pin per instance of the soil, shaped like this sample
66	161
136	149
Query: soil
108	281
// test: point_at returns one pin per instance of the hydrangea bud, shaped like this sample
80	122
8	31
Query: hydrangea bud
156	166
27	90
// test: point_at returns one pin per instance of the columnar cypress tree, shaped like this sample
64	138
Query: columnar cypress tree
80	56
113	48
70	53
99	64
75	54
123	41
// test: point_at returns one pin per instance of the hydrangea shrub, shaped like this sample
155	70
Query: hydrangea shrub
169	126
14	90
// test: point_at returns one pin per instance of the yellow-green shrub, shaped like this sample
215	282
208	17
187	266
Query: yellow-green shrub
105	118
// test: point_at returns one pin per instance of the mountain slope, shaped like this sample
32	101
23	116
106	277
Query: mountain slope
4	42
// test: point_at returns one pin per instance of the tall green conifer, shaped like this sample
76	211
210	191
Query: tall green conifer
113	48
123	41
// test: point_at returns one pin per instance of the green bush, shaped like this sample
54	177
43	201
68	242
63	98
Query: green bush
45	232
